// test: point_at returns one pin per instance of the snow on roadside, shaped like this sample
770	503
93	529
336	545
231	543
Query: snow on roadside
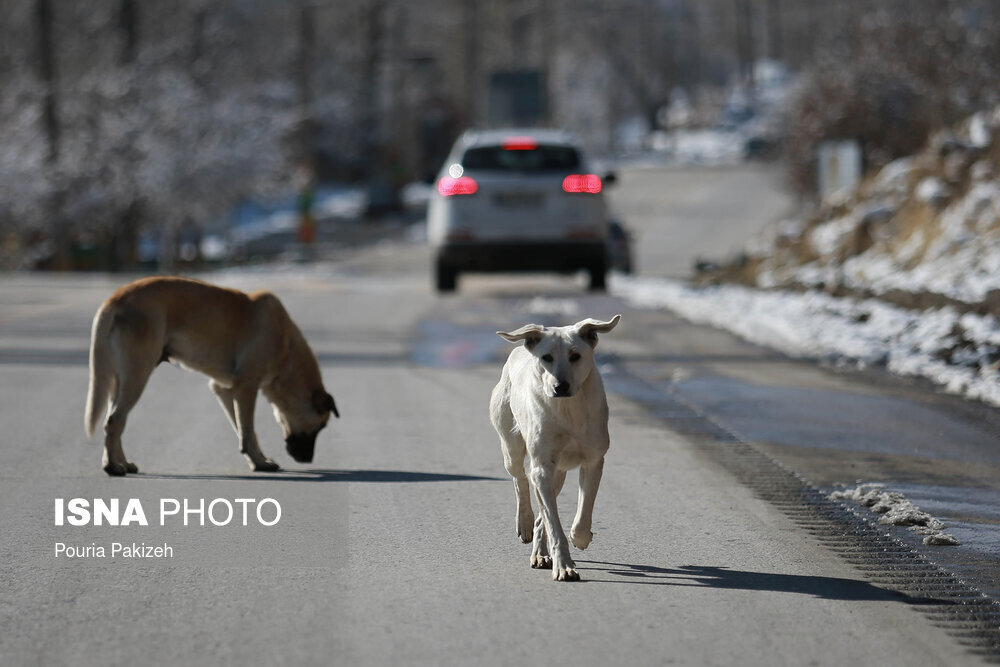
926	225
962	256
960	353
897	510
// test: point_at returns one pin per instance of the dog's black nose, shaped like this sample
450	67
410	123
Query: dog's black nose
562	389
301	446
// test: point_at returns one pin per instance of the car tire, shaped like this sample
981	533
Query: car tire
445	278
598	278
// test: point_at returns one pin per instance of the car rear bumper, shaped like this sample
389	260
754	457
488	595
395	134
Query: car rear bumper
522	256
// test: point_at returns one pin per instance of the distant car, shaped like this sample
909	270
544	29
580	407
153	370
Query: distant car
518	201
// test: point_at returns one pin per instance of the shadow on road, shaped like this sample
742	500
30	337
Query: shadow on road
330	476
827	588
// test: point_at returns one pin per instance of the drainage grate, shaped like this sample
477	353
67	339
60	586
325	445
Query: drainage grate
967	614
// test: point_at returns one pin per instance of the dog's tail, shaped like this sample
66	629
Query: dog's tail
102	373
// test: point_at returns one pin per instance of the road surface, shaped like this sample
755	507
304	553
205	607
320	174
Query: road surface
683	215
397	545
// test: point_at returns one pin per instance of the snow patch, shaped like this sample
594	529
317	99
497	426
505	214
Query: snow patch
828	237
896	510
932	190
980	135
960	353
942	540
894	177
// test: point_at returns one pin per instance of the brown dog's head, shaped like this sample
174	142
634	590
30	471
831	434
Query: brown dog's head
303	425
301	446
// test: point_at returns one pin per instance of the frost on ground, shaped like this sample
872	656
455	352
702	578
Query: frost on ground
896	510
959	352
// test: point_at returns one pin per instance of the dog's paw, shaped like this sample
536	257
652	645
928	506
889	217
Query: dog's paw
540	562
565	574
131	467
526	528
115	469
267	465
581	540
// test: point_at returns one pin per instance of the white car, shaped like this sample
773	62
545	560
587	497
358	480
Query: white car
520	200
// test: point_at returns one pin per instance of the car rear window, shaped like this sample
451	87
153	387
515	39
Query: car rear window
540	158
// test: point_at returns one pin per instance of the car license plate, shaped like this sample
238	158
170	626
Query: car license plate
519	199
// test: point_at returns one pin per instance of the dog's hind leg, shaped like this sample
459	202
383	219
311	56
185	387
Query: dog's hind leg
136	348
590	479
544	476
540	558
130	386
244	400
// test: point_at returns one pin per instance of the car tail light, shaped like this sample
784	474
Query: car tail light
589	183
464	185
519	144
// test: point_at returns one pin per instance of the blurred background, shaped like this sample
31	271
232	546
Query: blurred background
157	135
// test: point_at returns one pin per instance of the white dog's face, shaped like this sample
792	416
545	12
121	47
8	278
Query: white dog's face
564	356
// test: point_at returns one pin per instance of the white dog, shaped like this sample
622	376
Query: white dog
550	404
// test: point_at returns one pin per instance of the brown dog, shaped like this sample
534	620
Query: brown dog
244	342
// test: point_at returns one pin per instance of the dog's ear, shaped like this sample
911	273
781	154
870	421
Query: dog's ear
323	402
529	333
589	328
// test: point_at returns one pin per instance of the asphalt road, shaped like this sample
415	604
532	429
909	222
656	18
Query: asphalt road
397	545
683	215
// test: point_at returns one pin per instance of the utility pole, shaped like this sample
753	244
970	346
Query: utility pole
50	123
47	73
614	92
307	56
127	21
397	84
124	232
744	42
370	106
471	60
305	176
546	20
774	30
692	26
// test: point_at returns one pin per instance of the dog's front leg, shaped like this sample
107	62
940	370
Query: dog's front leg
540	557
544	476
244	401
590	479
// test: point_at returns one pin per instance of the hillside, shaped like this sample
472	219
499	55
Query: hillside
924	231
